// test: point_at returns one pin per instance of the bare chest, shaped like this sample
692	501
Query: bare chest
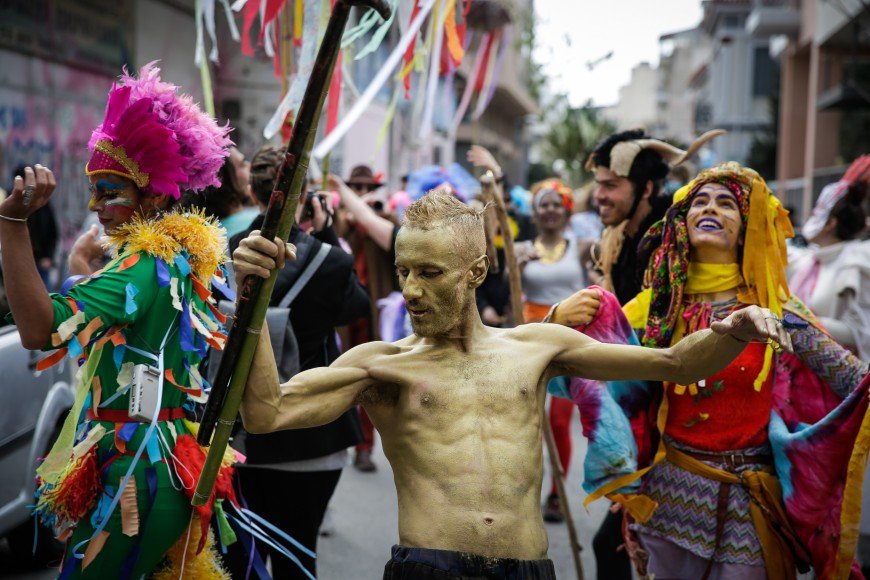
437	387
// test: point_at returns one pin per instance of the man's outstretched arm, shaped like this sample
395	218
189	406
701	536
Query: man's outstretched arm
311	398
697	356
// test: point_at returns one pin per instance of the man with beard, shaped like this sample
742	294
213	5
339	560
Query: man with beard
459	404
630	168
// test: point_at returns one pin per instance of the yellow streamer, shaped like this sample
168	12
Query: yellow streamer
297	21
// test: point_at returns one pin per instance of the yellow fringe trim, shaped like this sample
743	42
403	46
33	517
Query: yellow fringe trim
165	237
205	565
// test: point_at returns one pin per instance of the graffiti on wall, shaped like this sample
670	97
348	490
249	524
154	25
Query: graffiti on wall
46	116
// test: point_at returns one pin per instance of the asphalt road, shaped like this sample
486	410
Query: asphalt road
365	519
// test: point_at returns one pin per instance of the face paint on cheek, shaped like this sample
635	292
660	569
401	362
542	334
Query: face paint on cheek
120	208
120	203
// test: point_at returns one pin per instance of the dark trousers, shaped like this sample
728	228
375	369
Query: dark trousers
611	562
426	564
293	501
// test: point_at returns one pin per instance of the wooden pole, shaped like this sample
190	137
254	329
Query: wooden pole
489	185
560	476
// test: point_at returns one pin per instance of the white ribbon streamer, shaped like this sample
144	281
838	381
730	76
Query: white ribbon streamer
208	16
231	22
469	90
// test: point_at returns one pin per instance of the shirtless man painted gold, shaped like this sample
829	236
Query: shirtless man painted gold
459	404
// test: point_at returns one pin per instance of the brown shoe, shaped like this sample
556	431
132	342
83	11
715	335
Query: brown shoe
552	510
363	462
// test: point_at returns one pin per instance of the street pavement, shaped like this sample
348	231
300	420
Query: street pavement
365	517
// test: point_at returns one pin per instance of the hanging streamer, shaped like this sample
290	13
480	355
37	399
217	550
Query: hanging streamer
252	10
438	20
493	74
409	53
378	36
366	23
202	63
297	23
291	100
231	21
454	39
269	10
334	97
208	16
385	128
486	48
469	89
353	115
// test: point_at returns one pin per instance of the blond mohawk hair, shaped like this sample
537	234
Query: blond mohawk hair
440	208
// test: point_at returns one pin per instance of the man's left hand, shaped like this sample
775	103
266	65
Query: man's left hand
754	324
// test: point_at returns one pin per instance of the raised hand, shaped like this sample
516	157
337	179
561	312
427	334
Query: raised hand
257	256
525	252
86	252
578	309
29	193
754	324
481	157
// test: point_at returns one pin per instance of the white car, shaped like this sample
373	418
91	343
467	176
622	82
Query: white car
33	406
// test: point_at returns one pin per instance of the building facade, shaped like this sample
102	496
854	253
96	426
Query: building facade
57	61
824	51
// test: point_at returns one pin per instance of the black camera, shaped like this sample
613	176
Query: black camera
308	209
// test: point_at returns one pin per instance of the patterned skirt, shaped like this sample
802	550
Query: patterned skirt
686	514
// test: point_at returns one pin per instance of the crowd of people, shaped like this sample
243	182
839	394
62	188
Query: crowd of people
719	369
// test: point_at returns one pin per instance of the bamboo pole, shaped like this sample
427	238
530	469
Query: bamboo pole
255	292
489	185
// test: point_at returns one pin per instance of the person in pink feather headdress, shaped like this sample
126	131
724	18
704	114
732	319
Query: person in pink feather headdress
115	485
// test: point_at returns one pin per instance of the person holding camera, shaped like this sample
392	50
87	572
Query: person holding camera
305	465
370	232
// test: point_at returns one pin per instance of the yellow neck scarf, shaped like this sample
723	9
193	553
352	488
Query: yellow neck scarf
711	278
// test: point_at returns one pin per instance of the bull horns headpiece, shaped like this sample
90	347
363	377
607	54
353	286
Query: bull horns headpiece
623	153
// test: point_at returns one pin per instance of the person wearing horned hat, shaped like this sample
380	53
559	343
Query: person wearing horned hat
630	168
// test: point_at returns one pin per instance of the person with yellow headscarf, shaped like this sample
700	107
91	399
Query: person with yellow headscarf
756	469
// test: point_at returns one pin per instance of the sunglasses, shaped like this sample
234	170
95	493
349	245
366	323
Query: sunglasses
363	186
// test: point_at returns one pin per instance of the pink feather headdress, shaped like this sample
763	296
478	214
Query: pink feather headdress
158	138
